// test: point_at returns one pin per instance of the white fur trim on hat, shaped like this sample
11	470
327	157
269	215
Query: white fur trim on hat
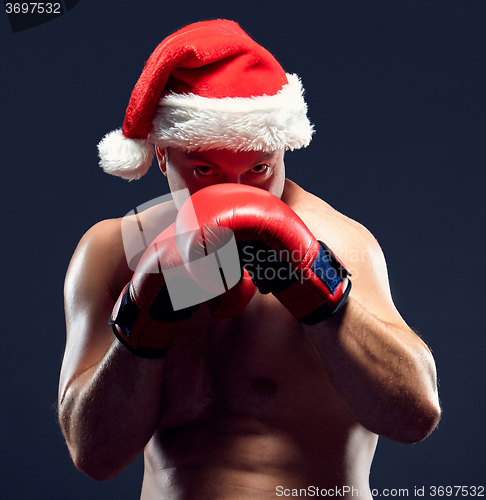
127	158
192	122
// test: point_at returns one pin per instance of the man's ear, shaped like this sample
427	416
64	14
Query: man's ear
162	159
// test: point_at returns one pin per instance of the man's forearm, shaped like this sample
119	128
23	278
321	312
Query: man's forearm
385	374
109	412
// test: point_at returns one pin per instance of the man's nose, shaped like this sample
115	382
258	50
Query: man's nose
234	178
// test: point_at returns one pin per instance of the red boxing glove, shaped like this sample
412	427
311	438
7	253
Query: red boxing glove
234	301
276	247
144	319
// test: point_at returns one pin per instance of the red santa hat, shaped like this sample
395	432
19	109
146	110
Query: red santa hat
208	86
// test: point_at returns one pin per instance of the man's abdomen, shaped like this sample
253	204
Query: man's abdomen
248	407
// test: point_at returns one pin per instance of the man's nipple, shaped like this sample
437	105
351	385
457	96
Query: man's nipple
264	386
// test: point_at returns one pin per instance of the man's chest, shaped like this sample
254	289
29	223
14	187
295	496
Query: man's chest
259	365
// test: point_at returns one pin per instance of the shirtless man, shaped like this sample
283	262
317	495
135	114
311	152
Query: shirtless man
262	403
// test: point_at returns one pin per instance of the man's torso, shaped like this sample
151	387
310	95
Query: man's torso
248	409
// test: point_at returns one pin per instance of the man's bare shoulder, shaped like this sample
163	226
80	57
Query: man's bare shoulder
102	235
98	255
325	222
353	244
110	249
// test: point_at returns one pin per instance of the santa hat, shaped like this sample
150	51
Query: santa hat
208	86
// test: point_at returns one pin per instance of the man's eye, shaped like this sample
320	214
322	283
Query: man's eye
259	169
204	170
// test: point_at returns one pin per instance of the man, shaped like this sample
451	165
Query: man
252	393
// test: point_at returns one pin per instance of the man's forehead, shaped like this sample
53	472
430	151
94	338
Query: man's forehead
211	153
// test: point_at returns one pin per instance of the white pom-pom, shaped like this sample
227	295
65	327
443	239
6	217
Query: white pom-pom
126	158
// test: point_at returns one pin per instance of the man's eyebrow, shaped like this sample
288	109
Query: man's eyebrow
268	155
197	157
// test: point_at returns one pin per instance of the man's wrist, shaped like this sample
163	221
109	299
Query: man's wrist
141	334
312	293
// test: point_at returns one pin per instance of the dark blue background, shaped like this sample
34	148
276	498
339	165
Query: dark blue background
396	90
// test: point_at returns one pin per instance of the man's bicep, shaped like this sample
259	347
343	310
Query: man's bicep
89	299
370	284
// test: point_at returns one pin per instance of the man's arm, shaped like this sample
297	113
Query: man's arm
109	399
383	371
